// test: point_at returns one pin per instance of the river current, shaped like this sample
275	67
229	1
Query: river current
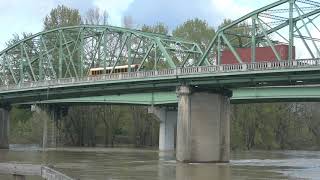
144	164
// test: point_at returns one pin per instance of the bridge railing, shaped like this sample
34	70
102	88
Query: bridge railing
259	66
23	170
51	174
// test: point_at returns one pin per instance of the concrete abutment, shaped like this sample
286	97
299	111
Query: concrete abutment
203	127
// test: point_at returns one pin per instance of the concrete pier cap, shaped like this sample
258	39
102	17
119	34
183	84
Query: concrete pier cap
203	127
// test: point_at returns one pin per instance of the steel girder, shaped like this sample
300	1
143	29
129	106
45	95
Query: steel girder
203	79
291	22
306	93
72	51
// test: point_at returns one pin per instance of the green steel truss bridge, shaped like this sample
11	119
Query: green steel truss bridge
55	64
53	67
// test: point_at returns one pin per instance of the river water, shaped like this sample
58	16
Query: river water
143	164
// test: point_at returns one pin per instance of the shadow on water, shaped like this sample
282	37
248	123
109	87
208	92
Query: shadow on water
202	171
168	167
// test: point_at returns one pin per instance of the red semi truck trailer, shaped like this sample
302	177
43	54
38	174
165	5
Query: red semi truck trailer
262	54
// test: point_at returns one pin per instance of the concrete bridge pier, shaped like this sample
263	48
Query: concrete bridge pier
203	133
4	127
168	122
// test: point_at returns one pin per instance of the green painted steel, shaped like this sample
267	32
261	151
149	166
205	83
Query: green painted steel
72	51
239	95
277	94
213	78
156	98
278	23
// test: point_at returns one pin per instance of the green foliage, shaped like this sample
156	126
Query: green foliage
22	127
238	35
62	16
274	126
154	63
195	30
160	28
109	125
16	38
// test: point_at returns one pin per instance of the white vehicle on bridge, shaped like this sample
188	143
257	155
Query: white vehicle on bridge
117	69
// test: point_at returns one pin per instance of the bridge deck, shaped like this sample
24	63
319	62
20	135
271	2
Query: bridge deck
223	76
219	70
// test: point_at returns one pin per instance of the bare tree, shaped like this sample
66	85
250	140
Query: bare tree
96	16
111	118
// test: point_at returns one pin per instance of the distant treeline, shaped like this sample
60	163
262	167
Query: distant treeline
276	126
253	126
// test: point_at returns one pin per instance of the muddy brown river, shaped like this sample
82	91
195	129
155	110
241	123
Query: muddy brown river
144	164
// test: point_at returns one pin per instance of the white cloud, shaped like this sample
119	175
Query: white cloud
115	9
231	9
18	16
234	9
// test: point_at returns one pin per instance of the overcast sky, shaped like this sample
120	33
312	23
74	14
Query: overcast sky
17	16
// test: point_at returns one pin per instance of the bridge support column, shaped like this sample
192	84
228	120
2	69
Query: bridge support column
203	126
4	127
168	121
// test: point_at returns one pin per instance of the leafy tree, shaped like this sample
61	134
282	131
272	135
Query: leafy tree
239	34
275	126
22	122
195	30
16	38
62	16
159	28
18	60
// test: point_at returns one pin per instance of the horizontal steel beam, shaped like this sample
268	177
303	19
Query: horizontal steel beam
208	78
298	93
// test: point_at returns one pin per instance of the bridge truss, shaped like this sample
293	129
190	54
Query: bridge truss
291	22
72	51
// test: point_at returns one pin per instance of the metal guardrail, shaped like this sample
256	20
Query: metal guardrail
32	170
51	174
260	66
